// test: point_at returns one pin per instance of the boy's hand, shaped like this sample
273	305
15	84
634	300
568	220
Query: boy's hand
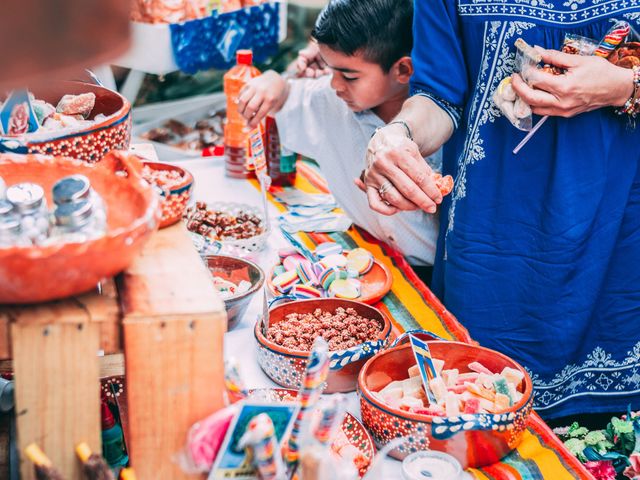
309	63
261	95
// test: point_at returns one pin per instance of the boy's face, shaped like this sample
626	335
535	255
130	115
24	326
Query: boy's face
361	84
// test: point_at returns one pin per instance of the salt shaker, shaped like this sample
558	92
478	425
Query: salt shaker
77	188
77	221
30	205
9	225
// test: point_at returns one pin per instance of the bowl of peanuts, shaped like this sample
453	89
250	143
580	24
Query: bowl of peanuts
354	331
174	184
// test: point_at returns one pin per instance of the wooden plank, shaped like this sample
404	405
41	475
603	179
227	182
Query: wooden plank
57	391
168	278
100	306
174	372
173	325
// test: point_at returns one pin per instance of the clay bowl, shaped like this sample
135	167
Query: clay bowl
475	440
235	270
375	284
30	274
286	366
176	197
88	144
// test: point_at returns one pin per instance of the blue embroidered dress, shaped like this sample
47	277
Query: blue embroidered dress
539	253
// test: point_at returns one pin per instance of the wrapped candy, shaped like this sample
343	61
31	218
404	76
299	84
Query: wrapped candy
233	380
260	439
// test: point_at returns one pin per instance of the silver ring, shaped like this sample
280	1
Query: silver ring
384	188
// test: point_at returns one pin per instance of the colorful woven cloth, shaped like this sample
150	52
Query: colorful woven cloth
411	305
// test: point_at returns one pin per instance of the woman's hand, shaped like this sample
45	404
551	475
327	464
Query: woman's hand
397	177
588	83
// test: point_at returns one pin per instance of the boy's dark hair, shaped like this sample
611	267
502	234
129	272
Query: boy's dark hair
380	29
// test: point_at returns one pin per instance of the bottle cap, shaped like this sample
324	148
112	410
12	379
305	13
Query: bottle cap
71	189
244	57
6	208
26	197
108	421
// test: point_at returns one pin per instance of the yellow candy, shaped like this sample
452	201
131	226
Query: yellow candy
360	260
345	288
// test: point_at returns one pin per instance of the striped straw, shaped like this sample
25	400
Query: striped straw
232	379
332	415
260	437
310	391
614	37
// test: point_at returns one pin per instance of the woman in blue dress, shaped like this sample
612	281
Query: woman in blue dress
539	253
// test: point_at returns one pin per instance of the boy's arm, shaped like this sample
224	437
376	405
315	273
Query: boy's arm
262	95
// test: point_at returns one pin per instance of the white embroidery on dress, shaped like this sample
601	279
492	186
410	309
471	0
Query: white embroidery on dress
600	374
497	63
569	12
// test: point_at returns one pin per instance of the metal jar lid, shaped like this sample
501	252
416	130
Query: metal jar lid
3	188
26	197
6	208
71	189
73	215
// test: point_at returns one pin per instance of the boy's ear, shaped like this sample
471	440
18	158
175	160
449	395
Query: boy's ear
403	69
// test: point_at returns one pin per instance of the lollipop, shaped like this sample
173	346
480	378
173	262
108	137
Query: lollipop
260	437
614	37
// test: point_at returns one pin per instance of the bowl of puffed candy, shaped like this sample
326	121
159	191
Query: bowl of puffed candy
65	118
476	409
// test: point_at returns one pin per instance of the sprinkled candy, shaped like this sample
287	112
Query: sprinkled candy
278	270
329	275
328	248
360	260
335	260
292	261
285	281
348	288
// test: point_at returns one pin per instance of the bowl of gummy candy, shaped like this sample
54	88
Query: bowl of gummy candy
66	118
65	225
476	409
236	280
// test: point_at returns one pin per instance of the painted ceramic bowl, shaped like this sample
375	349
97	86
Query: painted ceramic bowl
175	194
89	143
30	274
474	439
236	270
286	366
374	284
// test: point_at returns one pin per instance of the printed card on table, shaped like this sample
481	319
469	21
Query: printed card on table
232	462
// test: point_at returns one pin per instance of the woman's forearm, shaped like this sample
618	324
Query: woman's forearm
430	125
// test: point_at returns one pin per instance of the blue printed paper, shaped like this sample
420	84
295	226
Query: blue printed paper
17	116
425	364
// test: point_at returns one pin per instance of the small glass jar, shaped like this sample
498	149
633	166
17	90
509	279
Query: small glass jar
77	188
3	189
30	205
10	226
431	465
77	221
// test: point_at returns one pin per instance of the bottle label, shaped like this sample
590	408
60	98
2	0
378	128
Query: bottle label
288	163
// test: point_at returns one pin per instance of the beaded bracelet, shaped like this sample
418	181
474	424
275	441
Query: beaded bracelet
632	105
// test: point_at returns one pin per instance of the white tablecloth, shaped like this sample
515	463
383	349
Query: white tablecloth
211	185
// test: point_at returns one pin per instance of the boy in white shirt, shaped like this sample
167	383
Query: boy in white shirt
366	44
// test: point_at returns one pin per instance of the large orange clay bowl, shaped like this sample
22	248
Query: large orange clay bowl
30	274
90	143
286	366
474	439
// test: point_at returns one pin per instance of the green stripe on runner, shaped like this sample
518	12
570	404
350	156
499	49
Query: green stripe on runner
527	469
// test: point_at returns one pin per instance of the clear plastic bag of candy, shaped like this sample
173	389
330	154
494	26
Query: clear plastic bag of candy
517	111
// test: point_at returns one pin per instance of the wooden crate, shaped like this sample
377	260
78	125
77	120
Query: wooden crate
173	326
